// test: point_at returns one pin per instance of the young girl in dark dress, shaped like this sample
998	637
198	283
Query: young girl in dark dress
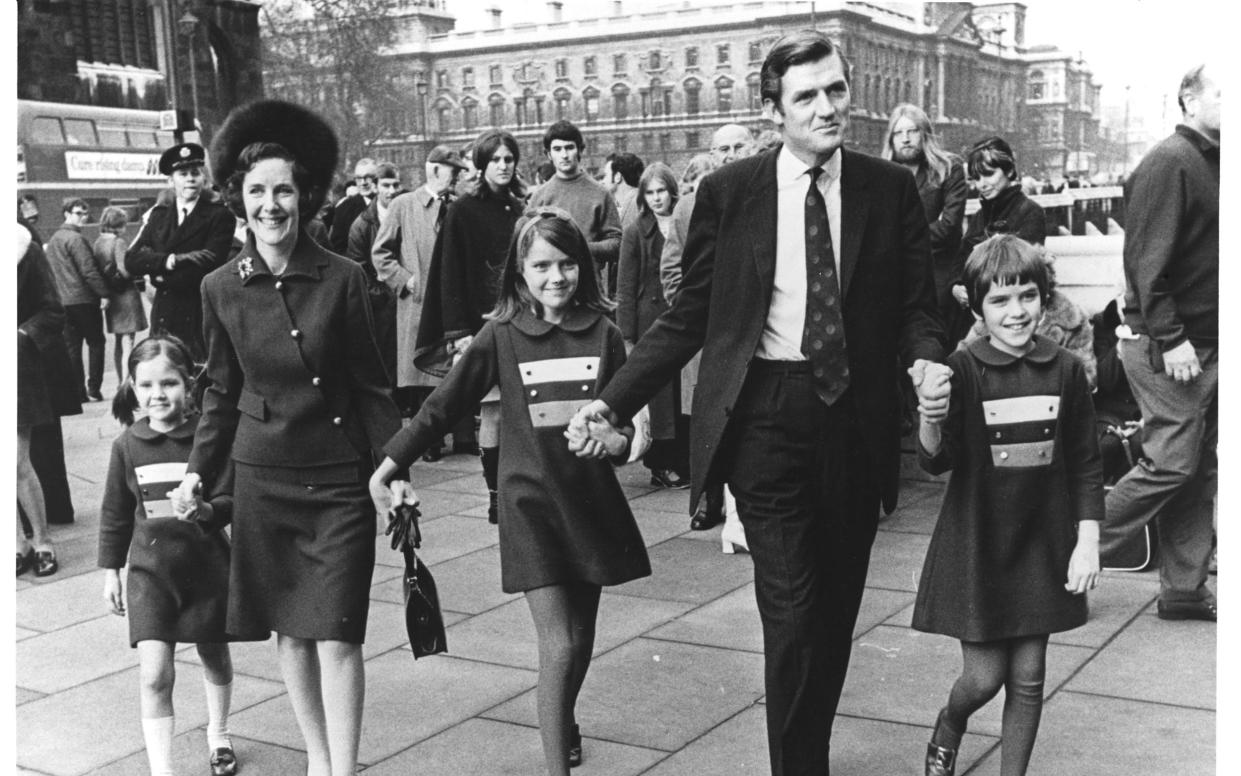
1017	542
565	526
178	568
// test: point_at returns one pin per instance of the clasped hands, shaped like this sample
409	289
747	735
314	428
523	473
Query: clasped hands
186	498
932	384
592	432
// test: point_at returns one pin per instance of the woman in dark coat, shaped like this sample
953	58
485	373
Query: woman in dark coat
298	399
1003	209
464	280
639	301
42	365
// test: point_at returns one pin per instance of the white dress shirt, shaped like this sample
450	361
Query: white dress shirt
786	317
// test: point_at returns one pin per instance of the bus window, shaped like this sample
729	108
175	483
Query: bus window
168	140
80	132
143	138
112	136
45	130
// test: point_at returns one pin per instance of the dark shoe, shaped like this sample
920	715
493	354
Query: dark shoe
94	396
45	563
223	762
25	561
1188	610
940	760
666	478
710	509
433	455
464	448
493	507
575	746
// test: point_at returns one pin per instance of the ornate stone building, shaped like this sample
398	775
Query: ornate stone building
1062	102
657	83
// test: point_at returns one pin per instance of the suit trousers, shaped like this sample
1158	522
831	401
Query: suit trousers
1176	481
84	322
809	500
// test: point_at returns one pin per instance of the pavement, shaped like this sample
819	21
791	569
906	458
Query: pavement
676	686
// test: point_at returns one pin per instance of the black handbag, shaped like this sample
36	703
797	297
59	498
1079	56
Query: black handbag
424	622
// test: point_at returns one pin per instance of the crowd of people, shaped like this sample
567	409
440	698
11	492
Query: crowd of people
758	326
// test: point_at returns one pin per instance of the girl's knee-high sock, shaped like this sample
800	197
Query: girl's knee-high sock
157	733
219	698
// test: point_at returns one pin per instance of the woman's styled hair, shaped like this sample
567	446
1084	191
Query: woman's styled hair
938	161
113	219
557	228
248	159
125	403
1006	260
698	167
485	148
663	173
991	154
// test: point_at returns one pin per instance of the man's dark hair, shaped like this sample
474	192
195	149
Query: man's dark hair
563	130
1190	84
796	48
72	202
629	166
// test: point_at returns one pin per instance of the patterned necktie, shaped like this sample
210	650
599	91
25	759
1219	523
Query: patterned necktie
439	217
185	213
823	338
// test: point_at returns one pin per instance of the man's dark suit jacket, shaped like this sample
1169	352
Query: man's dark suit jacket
730	260
202	244
343	216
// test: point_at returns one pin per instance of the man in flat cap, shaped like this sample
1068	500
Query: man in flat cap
181	242
402	258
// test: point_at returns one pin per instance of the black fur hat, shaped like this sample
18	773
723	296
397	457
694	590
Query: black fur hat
299	129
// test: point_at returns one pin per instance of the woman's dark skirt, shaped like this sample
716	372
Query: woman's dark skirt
303	552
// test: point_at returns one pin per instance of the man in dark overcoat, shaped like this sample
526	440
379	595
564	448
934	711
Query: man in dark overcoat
807	285
181	242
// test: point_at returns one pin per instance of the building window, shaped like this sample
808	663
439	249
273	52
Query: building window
496	106
756	52
724	96
721	54
692	90
1036	84
441	79
648	142
665	142
620	144
618	64
562	104
519	110
691	56
469	115
754	93
497	75
562	68
691	141
645	97
467	78
620	102
444	121
654	61
588	66
590	99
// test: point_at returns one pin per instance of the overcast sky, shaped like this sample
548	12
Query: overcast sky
1144	44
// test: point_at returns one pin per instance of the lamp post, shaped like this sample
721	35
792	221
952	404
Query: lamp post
188	25
421	87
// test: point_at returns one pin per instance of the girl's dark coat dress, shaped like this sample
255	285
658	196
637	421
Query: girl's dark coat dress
1020	441
178	570
562	518
298	399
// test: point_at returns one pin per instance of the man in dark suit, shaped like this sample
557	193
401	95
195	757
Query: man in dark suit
180	243
807	284
347	210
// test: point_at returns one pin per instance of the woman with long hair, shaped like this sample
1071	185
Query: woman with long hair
125	315
298	399
464	279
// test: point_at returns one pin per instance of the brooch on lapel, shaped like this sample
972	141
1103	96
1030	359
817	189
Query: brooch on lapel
245	267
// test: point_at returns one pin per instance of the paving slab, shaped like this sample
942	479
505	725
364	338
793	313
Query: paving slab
77	555
506	636
664	500
896	560
56	661
62	602
469	584
481	746
903	675
454	491
189	757
1117	737
918	511
656	694
98	722
690	571
658	527
1113	604
1156	660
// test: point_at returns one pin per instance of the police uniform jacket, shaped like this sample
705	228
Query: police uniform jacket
296	378
201	244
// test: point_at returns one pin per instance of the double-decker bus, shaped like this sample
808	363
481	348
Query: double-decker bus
106	156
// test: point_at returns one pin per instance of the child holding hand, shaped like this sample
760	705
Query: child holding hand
1017	542
565	526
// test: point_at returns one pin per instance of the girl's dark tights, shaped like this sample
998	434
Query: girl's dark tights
564	620
1017	665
